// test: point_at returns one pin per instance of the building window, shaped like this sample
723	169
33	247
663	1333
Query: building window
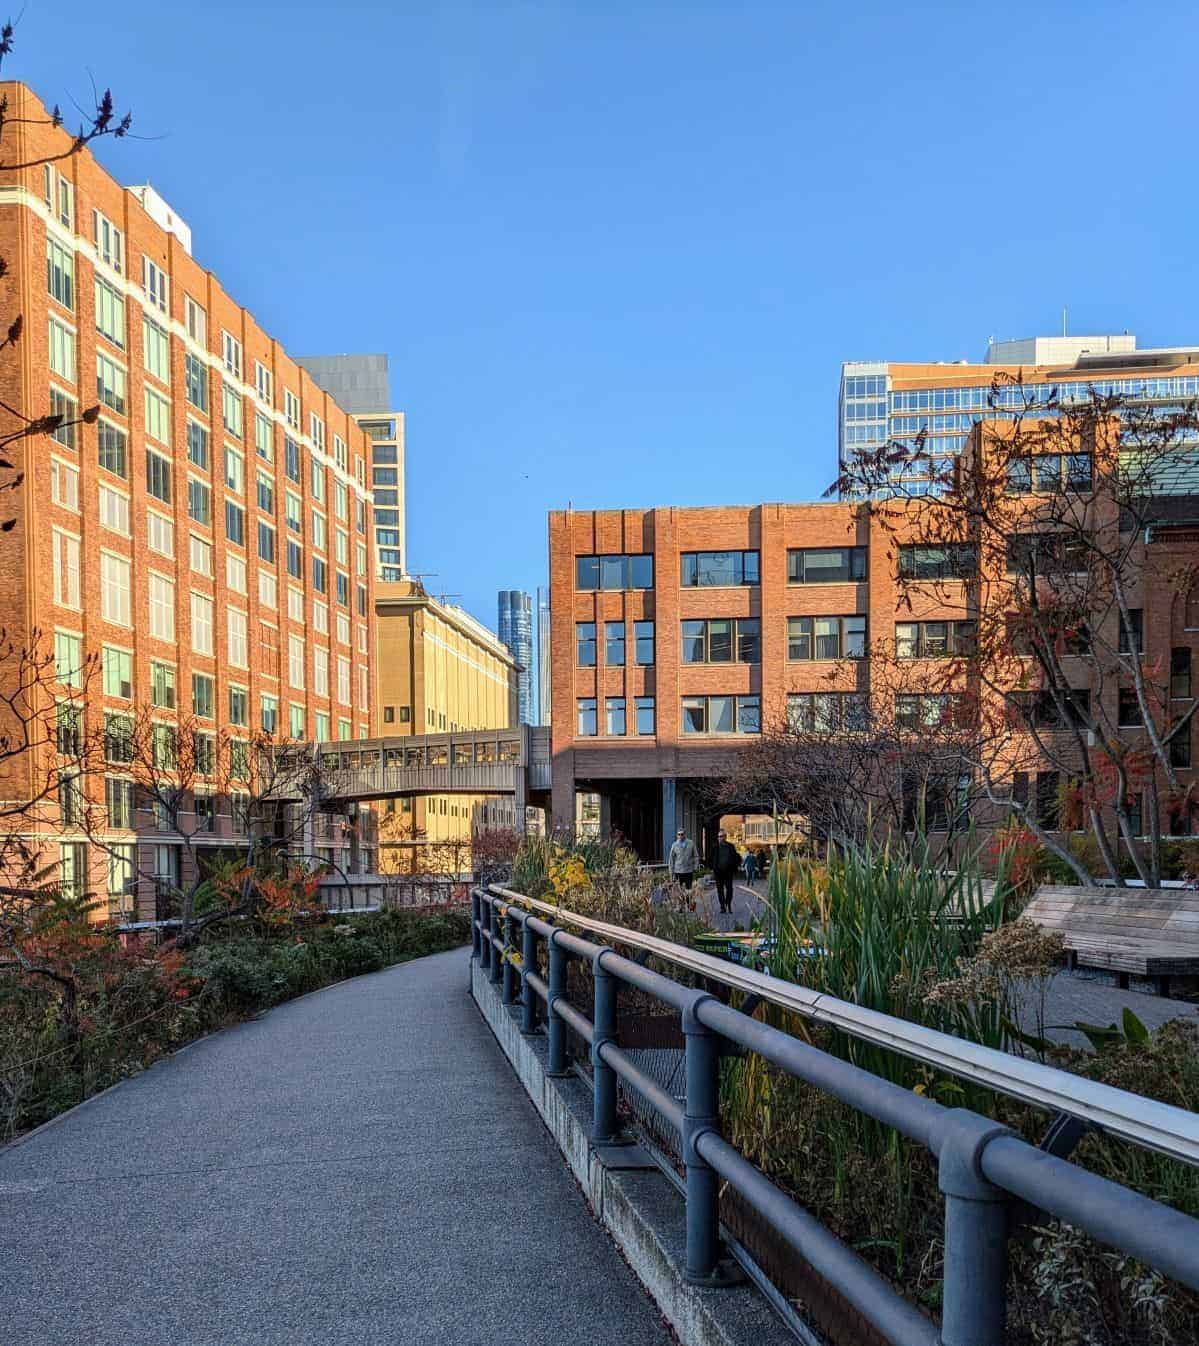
122	882
202	624
117	672
1128	708
1031	554
62	351
953	560
196	320
826	565
239	653
585	644
614	645
586	717
295	661
1132	632
266	542
60	273
204	757
110	313
118	739
292	464
718	569
614	715
66	569
231	353
295	561
195	381
162	607
197	445
291	410
68	729
1046	803
1180	672
66	409
264	437
118	801
1180	747
643	633
320	671
320	575
722	640
115	605
201	556
68	659
270	714
162	685
64	484
110	383
156	349
644	714
231	410
203	695
238	706
235	523
199	502
154	280
926	710
614	572
158	476
722	715
826	712
109	240
295	720
934	640
72	868
264	383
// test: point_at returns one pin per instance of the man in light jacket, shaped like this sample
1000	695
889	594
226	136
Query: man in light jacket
683	860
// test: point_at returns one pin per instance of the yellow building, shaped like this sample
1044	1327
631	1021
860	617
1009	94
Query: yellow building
439	671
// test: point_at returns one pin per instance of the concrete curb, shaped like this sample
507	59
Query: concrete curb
640	1209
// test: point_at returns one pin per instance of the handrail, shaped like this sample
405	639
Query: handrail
1145	1122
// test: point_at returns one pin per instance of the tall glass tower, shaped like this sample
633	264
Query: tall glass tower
515	629
543	654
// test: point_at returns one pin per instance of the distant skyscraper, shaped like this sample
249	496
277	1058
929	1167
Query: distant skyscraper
516	631
543	654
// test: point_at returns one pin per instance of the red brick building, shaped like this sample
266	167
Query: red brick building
208	540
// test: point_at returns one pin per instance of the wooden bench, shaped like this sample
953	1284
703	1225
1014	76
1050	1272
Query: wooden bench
1152	932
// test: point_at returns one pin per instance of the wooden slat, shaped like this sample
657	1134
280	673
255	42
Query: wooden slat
1148	931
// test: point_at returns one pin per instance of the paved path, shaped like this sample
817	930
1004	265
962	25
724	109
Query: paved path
359	1166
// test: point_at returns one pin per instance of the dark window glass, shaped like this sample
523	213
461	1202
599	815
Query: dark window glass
614	644
585	644
1132	632
644	632
1180	672
826	565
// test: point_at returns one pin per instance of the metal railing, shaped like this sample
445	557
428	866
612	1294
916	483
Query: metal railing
982	1165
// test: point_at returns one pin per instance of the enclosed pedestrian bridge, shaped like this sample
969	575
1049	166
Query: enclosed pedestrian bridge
484	761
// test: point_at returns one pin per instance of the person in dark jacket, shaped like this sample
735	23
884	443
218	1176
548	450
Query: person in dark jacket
725	864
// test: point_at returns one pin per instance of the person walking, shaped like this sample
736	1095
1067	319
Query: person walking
683	860
751	866
725	864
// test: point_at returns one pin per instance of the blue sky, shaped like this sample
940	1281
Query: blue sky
616	252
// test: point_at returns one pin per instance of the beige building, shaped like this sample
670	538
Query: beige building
440	671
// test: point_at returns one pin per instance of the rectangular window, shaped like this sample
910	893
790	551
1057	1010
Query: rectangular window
117	668
110	313
235	572
239	653
343	588
319	533
118	801
68	659
265	493
293	509
1179	747
235	523
158	476
614	572
264	382
1032	554
292	464
295	560
1180	672
162	607
826	712
64	484
202	624
62	351
1047	799
926	710
197	445
320	575
644	637
162	684
118	738
231	353
316	429
204	756
614	715
238	706
587	727
291	410
343	680
156	346
109	240
934	640
268	589
266	542
826	565
318	482
203	695
721	715
320	671
66	570
110	383
270	714
68	729
199	502
231	409
341	501
1128	709
295	661
235	471
154	280
295	720
66	409
158	416
60	273
195	381
115	602
614	645
201	556
718	569
160	533
320	618
196	320
1132	632
585	644
644	715
953	560
722	640
264	436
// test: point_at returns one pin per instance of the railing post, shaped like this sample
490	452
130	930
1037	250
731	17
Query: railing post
484	926
497	961
603	1018
557	1029
475	943
528	958
975	1266
509	994
701	1113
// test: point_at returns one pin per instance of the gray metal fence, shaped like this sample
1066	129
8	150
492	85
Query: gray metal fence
984	1168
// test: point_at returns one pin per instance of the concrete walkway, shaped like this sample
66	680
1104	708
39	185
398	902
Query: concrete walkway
359	1166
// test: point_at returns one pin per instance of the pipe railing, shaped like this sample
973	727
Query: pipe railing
985	1170
1142	1121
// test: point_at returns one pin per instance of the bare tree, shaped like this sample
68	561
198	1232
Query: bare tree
1039	541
